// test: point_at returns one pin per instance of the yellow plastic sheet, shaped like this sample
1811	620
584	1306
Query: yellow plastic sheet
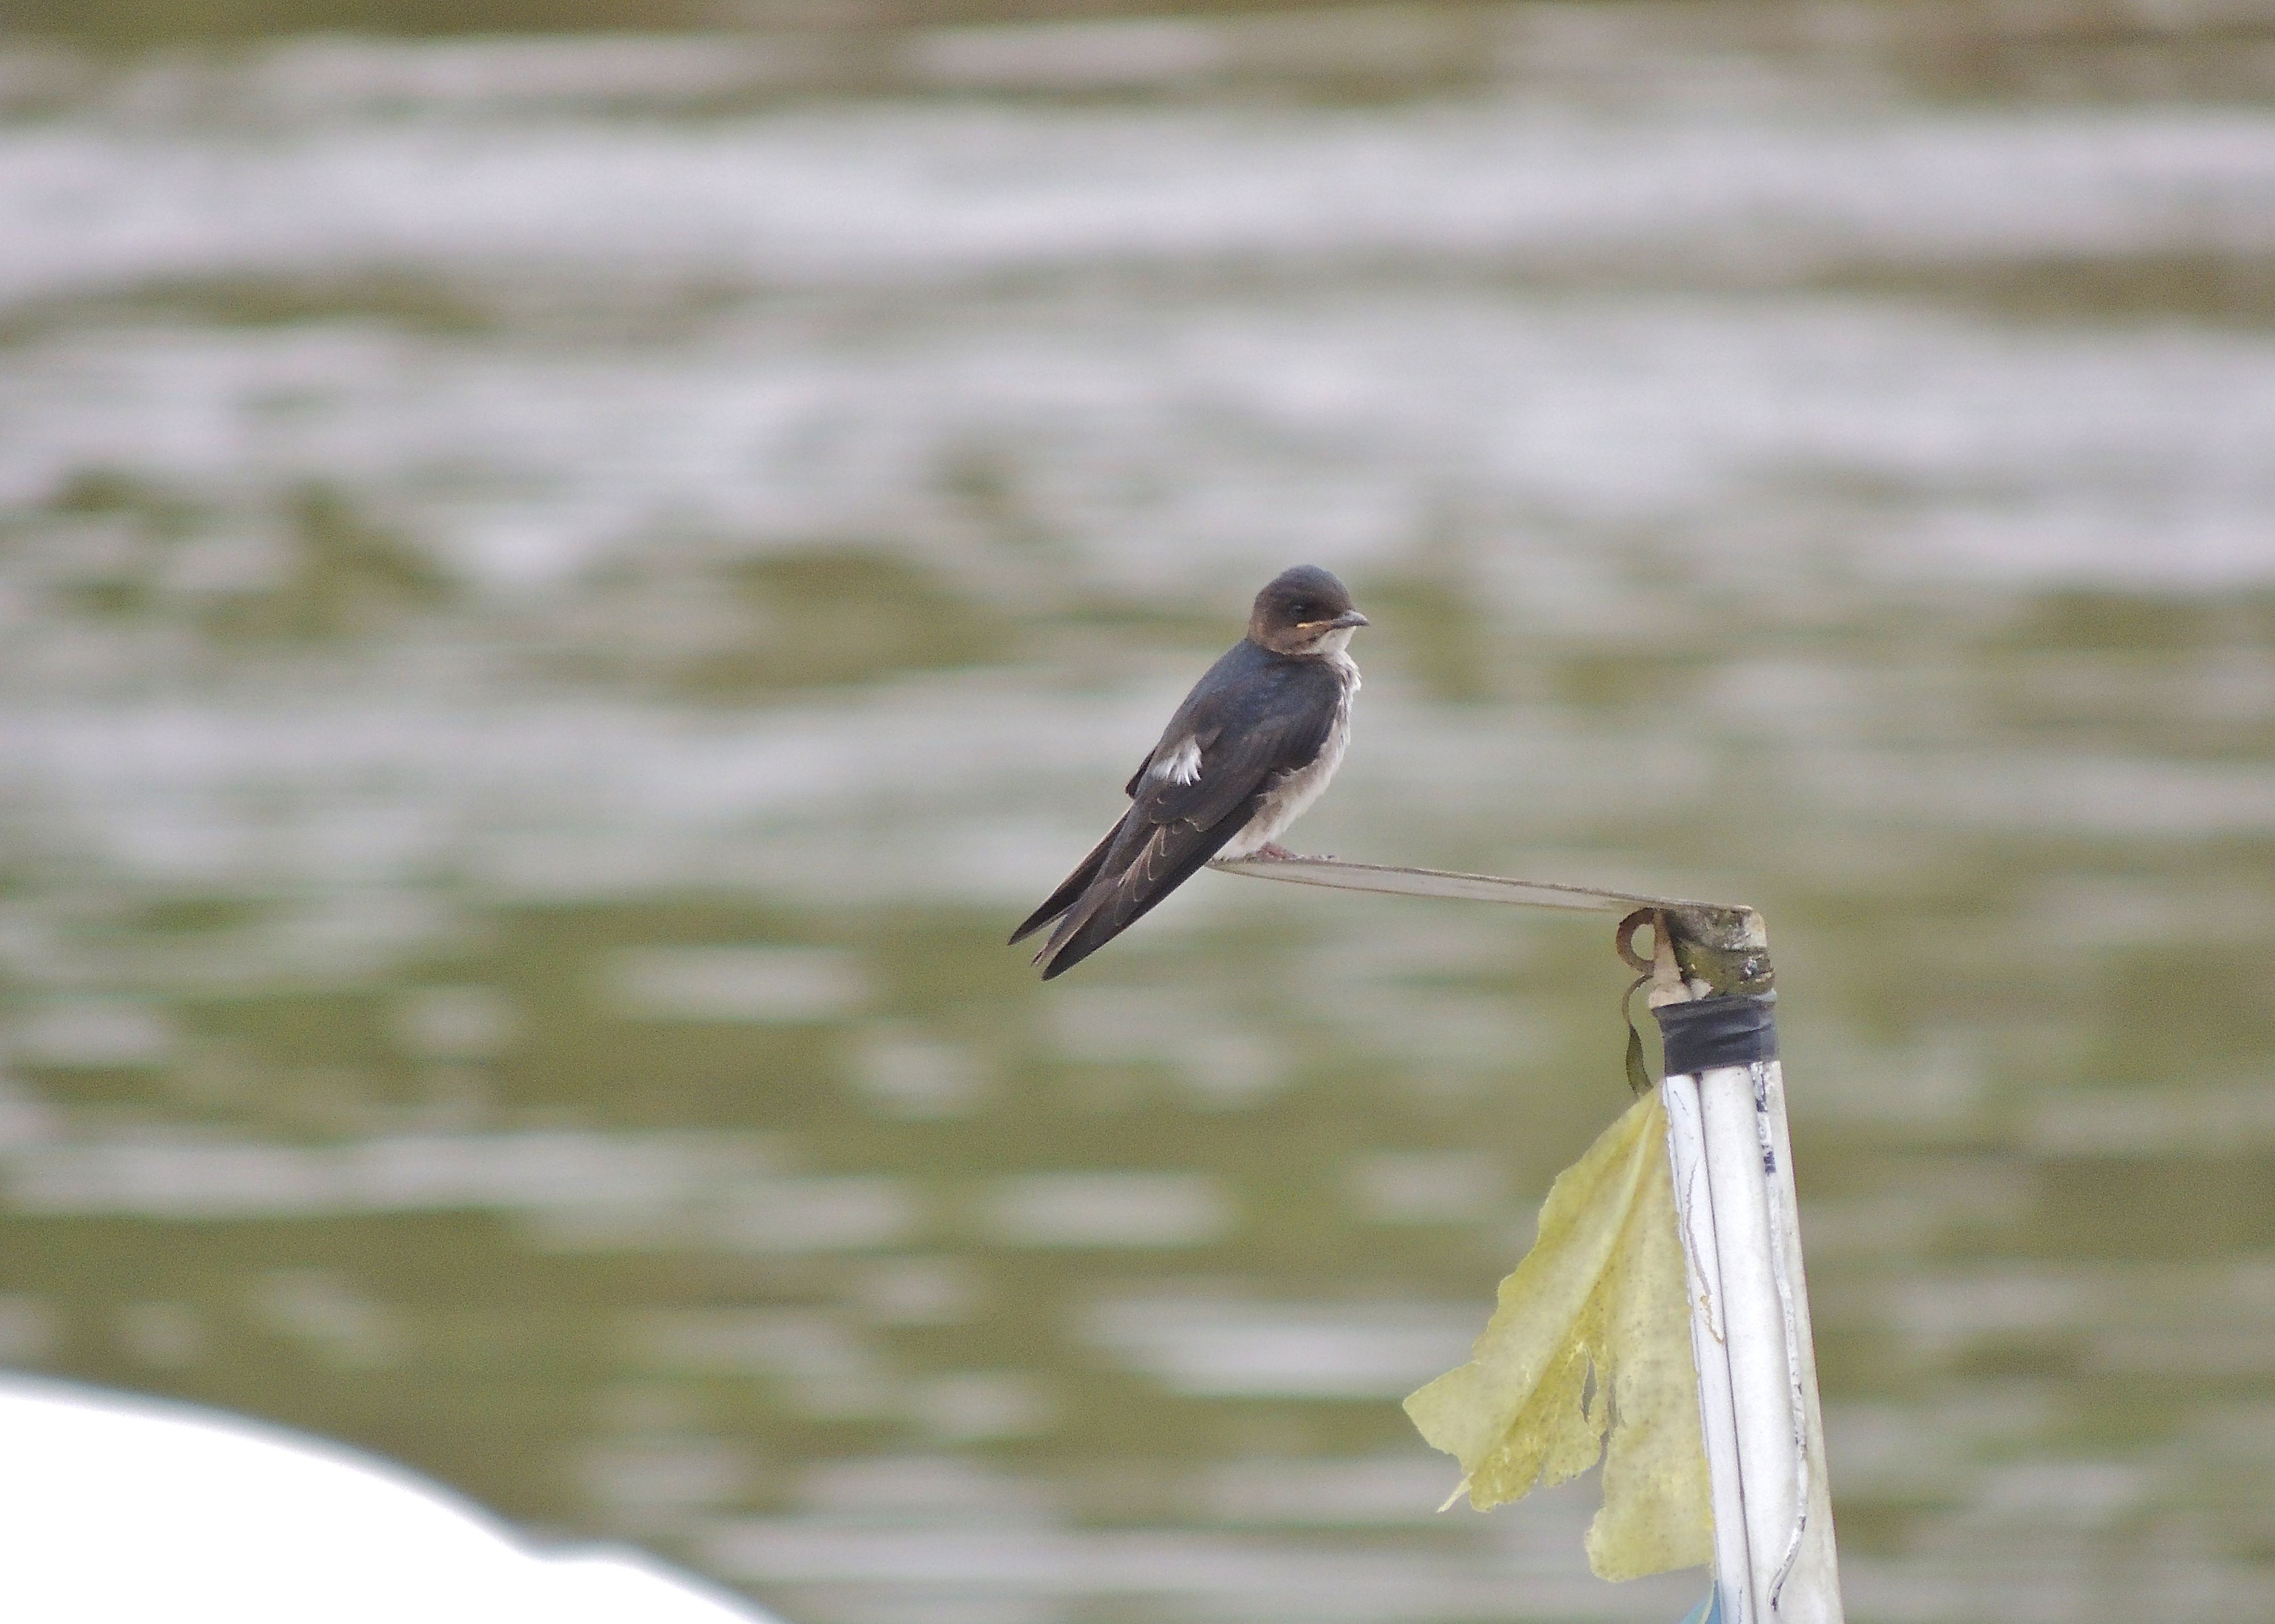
1602	1293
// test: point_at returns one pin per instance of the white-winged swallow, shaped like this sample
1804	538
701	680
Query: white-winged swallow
1252	746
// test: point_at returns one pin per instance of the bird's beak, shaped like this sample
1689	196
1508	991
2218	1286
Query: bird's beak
1349	617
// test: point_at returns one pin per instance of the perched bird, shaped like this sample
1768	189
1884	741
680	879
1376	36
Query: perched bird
1251	746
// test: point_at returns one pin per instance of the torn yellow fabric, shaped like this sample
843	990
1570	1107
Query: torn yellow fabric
1602	1290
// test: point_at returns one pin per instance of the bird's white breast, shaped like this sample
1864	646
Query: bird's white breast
1286	801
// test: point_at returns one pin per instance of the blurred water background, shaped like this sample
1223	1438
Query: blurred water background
562	585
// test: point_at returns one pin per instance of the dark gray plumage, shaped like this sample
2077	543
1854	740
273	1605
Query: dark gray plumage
1253	744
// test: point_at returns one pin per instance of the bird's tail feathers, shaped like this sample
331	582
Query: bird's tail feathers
1053	955
1111	906
1069	891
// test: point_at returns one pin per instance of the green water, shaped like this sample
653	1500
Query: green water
558	597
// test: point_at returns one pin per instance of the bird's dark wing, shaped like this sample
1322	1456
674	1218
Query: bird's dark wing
1206	695
1233	739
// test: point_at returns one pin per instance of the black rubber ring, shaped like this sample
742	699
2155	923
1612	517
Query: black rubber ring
1707	1032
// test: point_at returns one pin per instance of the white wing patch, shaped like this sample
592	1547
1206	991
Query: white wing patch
1180	765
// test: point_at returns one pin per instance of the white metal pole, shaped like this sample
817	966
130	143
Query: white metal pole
1732	1163
1764	1351
1812	1592
1694	1206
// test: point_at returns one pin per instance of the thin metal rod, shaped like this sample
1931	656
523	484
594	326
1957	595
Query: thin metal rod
1723	941
1441	882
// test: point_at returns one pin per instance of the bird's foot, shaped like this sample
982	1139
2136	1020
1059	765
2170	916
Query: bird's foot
1275	850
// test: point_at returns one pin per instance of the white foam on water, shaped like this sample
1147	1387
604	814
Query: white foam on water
1182	446
1115	1211
896	193
1227	1347
735	984
190	1176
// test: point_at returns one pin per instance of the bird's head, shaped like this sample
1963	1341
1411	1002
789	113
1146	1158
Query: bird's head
1306	613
